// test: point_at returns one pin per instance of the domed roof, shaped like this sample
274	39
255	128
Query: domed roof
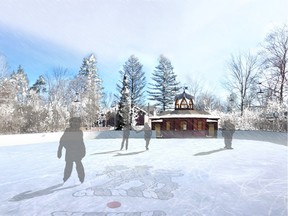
184	101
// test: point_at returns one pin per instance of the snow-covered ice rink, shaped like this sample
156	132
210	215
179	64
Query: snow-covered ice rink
176	177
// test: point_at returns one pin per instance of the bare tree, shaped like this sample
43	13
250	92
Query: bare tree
195	87
58	97
4	68
242	76
208	102
274	62
108	99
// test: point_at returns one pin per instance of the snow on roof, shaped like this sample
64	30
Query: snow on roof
185	116
211	120
157	120
140	109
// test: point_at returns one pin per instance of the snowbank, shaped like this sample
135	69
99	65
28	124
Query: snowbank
7	140
20	139
267	136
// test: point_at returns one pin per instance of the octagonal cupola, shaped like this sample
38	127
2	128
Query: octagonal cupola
184	101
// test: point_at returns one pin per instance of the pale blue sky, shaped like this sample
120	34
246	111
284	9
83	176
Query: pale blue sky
197	36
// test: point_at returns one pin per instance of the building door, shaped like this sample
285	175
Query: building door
211	130
158	130
168	126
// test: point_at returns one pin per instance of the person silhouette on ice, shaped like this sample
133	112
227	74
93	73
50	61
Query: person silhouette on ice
126	134
147	134
72	141
228	130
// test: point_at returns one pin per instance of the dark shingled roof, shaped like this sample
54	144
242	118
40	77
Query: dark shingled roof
182	95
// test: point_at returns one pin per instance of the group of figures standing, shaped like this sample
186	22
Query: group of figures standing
72	141
126	133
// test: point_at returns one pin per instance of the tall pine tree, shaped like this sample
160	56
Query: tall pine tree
133	70
89	86
92	84
37	91
165	86
21	82
124	111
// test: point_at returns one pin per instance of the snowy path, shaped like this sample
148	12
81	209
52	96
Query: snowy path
175	177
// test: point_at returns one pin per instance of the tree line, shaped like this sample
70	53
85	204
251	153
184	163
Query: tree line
255	83
258	84
260	77
47	104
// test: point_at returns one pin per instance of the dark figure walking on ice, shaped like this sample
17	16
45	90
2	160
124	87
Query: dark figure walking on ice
147	134
72	141
126	134
228	130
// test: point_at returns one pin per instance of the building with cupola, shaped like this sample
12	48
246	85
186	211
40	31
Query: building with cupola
184	121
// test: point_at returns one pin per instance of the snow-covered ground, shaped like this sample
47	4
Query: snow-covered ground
176	177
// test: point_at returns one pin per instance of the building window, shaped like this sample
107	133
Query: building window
184	104
177	104
168	125
183	125
190	104
200	124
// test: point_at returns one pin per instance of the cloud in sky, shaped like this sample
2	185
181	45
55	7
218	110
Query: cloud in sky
197	36
34	54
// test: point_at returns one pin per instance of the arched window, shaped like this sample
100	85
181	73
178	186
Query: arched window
184	104
176	104
190	104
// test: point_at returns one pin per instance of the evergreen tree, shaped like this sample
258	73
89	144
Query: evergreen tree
20	91
89	86
133	69
40	85
124	111
21	84
36	112
165	86
37	93
92	84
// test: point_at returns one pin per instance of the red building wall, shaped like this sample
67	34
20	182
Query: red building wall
193	129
